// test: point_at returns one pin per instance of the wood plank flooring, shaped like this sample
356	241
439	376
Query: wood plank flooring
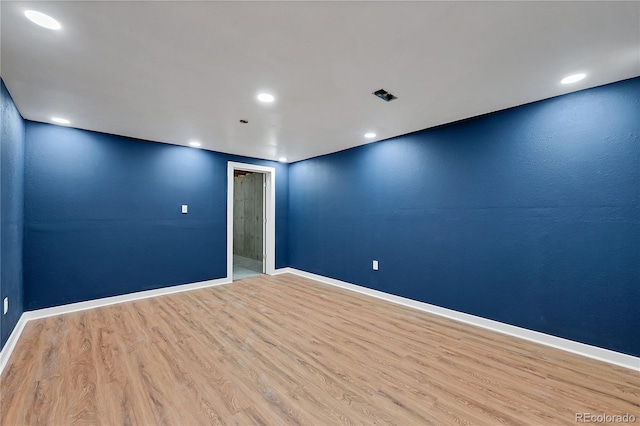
287	350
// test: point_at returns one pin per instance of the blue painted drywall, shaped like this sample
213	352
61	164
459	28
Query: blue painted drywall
11	211
529	216
103	215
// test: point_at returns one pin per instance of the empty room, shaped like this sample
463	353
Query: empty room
319	212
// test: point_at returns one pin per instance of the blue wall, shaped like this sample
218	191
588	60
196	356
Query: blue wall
529	216
11	211
103	215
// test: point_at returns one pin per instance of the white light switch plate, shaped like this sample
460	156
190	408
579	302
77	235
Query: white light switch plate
5	307
375	265
185	209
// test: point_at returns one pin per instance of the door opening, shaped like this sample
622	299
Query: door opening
250	220
248	224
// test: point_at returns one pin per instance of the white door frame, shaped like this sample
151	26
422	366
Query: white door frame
269	217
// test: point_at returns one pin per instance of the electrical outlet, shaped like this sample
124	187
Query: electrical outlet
375	265
5	307
185	209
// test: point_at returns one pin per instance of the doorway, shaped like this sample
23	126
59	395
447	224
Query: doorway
248	224
250	220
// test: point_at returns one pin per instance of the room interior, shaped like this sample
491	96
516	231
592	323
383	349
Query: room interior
462	249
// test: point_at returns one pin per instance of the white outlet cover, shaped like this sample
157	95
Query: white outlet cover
5	308
375	265
185	209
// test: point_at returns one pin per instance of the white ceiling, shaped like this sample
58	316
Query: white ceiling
177	71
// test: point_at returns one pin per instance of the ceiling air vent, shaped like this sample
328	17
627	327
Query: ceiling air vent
384	95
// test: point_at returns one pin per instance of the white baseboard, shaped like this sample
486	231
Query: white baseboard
283	271
105	301
5	354
594	352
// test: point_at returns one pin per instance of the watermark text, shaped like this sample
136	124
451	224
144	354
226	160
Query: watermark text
605	418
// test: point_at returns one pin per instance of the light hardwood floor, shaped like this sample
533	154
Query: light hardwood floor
287	350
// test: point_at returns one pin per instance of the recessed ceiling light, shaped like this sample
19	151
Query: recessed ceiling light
60	120
573	78
370	135
195	144
282	159
43	20
266	97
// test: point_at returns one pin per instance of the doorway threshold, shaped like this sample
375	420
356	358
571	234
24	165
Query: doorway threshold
244	267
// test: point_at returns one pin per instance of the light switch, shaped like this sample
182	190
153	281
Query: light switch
5	307
185	209
375	265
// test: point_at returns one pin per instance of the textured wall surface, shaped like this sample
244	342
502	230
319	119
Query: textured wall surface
248	208
11	211
103	215
529	216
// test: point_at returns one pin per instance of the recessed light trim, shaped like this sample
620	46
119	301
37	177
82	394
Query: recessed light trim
573	78
43	20
282	159
59	120
369	135
266	97
195	144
